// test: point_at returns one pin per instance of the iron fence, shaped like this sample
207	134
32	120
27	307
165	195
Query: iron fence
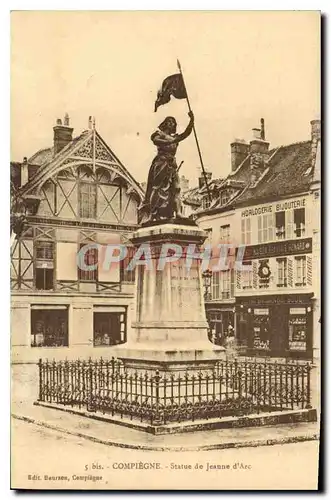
232	388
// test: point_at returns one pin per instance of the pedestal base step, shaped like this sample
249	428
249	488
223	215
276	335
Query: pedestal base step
254	420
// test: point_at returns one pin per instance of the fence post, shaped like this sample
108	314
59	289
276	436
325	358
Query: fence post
157	419
90	386
40	379
309	371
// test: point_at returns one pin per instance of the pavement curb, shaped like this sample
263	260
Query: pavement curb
215	446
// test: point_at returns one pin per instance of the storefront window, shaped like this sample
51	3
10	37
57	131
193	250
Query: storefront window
298	329
49	327
219	322
261	329
109	328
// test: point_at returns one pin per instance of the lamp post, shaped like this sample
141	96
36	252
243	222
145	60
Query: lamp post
207	275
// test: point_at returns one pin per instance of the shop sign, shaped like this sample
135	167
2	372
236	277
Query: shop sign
297	310
276	300
297	346
261	312
278	248
279	207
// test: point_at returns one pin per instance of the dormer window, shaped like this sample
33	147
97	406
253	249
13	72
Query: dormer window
225	197
205	202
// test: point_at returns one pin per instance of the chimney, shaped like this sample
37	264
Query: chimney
262	129
184	184
315	130
24	171
239	151
202	179
259	149
62	134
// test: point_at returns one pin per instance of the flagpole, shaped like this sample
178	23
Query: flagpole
195	134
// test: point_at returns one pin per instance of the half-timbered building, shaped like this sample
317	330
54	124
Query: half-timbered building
75	192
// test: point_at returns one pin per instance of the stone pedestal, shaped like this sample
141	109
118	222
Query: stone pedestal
170	328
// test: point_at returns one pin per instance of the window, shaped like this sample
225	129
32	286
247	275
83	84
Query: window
300	271
282	272
209	232
109	328
280	225
298	329
264	228
225	196
90	258
225	233
49	327
299	222
87	200
246	231
222	284
205	202
247	277
128	276
44	265
225	284
219	322
261	329
215	288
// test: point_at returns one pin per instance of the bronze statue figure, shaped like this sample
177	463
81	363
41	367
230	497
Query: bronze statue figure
162	198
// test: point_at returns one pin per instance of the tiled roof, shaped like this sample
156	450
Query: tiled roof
42	156
194	195
191	197
288	171
286	174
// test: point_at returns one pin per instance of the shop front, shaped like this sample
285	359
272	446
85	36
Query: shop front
220	319
275	325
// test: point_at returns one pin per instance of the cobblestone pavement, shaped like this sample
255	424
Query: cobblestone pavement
38	452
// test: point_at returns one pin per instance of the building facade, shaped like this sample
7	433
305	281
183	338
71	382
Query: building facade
270	203
76	192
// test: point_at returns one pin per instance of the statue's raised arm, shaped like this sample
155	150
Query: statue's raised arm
162	199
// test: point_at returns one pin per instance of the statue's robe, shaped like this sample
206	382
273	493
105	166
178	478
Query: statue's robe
163	180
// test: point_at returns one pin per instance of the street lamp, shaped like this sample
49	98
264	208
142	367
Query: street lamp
207	275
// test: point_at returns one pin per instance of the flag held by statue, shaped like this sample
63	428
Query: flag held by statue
173	85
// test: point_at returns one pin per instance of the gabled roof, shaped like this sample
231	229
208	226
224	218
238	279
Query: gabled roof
87	148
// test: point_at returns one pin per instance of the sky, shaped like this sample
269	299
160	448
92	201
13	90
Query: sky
237	66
